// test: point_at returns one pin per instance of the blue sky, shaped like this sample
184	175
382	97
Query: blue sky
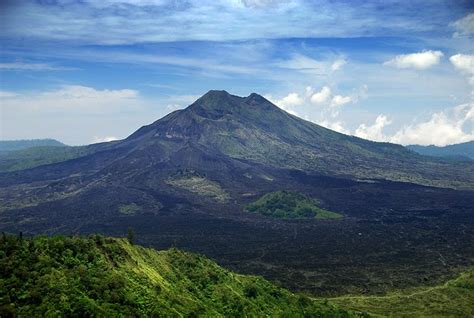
87	71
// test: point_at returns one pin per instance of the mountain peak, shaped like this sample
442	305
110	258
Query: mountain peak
216	93
216	103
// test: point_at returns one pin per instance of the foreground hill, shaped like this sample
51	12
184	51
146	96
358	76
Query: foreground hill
97	276
460	151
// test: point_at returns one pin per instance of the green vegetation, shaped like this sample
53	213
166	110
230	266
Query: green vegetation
13	145
38	156
200	186
452	299
284	204
129	209
97	276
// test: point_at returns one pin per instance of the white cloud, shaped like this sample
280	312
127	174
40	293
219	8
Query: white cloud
338	64
322	96
443	128
261	3
77	92
308	65
292	99
463	62
339	100
374	131
336	126
304	64
464	26
447	127
132	21
420	61
19	66
103	139
75	99
288	102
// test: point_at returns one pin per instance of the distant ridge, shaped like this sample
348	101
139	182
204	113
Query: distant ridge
460	151
13	145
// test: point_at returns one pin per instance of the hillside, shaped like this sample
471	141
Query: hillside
12	145
39	155
97	276
451	299
283	204
460	151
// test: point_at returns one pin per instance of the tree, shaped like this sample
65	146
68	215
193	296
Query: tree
131	235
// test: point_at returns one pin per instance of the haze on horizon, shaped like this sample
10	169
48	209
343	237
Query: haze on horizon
90	71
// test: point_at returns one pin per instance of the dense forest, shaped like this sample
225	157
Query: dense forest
98	276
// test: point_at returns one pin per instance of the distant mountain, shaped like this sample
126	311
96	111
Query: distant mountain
186	180
39	155
13	145
109	277
458	151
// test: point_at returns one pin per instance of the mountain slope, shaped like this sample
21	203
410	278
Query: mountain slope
252	128
451	299
460	151
97	276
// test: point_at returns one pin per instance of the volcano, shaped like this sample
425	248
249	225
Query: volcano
185	181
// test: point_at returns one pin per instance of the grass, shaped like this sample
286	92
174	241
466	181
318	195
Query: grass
452	299
200	186
129	209
290	205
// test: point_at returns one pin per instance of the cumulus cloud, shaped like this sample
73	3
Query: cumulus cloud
374	131
319	106
339	100
443	128
288	102
464	26
334	125
322	96
463	62
447	127
420	61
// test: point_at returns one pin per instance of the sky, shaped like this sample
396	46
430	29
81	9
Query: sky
89	71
